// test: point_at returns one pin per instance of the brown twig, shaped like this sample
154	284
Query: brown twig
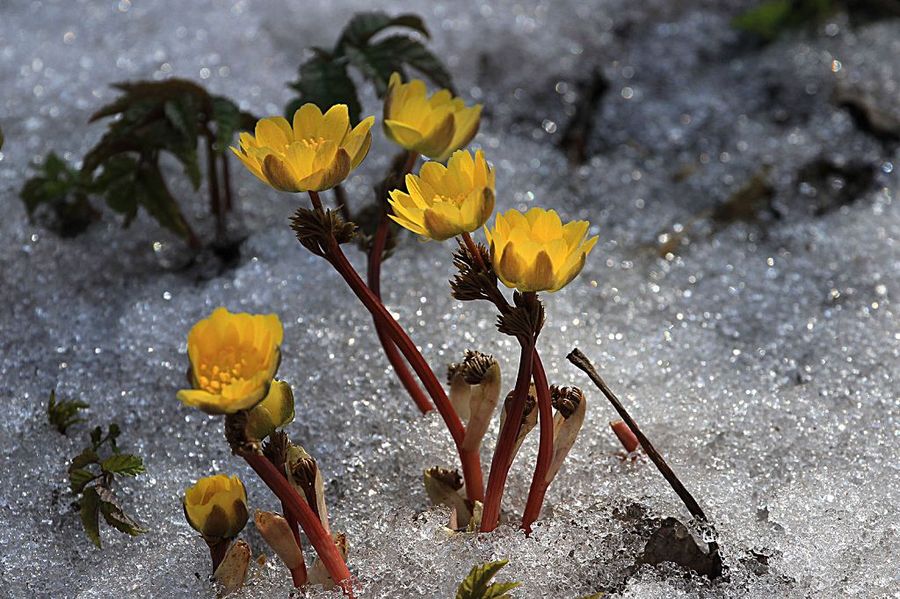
584	364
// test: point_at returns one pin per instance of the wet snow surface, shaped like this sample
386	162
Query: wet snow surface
761	357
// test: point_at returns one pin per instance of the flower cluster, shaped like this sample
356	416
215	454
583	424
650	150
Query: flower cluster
234	357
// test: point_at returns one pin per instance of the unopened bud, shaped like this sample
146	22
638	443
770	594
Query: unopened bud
275	411
277	533
571	405
318	574
303	473
529	417
233	569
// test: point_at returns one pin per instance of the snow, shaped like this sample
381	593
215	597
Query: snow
761	358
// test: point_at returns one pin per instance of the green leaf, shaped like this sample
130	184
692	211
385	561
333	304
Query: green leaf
182	114
112	434
477	584
151	193
87	456
772	17
363	26
90	508
324	82
117	183
78	478
391	54
123	464
96	437
115	516
64	414
227	117
56	197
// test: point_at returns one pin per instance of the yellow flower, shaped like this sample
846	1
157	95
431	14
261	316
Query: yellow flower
446	201
317	153
276	410
434	126
216	507
233	360
535	251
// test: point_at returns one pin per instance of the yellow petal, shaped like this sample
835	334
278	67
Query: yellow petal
307	122
273	133
440	222
358	141
540	277
197	398
403	135
436	142
335	124
511	268
279	174
330	175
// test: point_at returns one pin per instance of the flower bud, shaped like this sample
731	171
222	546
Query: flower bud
216	507
443	488
273	412
529	417
304	475
277	533
233	569
318	574
570	405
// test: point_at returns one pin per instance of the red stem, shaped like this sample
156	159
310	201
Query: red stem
470	460
390	349
217	553
321	540
473	249
502	459
335	255
626	437
539	482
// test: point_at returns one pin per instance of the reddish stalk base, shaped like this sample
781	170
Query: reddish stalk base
320	540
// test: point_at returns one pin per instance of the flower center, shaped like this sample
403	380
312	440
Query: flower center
226	367
455	200
313	142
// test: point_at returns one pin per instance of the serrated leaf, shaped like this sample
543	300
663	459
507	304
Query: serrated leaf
90	510
477	584
78	478
363	26
325	82
63	414
394	53
124	464
115	516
